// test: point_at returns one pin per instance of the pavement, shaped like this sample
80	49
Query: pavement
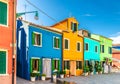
112	78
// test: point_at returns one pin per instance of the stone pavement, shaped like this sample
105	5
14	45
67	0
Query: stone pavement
113	78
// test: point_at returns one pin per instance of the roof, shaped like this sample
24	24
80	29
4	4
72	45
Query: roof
103	36
83	30
62	21
44	27
115	50
116	45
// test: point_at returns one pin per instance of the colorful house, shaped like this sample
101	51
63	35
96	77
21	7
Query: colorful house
105	48
91	48
7	42
116	57
39	49
72	46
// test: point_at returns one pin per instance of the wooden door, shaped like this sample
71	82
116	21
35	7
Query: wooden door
73	68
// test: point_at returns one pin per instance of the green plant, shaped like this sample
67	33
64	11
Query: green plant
54	74
43	74
91	68
63	72
86	69
33	74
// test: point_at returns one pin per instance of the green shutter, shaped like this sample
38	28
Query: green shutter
33	38
2	62
40	39
40	65
58	43
31	70
53	65
3	14
55	42
58	64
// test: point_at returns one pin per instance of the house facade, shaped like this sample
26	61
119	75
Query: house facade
91	49
105	48
39	49
72	46
7	42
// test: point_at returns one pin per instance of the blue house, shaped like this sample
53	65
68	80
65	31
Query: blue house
39	49
91	49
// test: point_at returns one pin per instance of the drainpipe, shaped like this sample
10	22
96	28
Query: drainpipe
13	39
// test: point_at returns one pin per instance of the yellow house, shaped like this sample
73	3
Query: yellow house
72	46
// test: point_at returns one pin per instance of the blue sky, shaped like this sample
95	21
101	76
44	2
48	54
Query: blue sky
98	16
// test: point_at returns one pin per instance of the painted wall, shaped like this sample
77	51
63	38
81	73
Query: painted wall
28	50
107	43
6	42
91	54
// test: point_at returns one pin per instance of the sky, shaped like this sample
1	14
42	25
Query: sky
97	16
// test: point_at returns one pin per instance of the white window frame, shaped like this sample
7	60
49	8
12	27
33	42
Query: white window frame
68	43
7	13
53	42
41	39
6	62
80	46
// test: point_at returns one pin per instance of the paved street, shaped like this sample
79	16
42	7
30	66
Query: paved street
113	78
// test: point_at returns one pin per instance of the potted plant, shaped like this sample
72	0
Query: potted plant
91	69
43	76
86	70
96	68
33	76
62	73
100	69
54	75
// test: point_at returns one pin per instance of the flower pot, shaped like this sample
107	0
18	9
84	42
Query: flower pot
32	78
61	75
54	76
91	73
96	72
43	78
100	72
86	74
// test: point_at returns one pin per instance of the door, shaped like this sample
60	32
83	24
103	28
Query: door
47	67
73	68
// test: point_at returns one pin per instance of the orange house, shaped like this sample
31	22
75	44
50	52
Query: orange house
72	46
7	42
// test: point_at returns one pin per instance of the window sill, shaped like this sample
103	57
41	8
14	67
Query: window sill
56	48
3	25
37	45
35	72
3	74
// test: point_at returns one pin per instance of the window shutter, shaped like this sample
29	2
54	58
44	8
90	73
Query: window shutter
55	42
31	70
2	62
58	64
3	15
40	38
53	65
58	43
33	38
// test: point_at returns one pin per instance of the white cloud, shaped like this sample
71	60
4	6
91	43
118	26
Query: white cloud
88	15
116	38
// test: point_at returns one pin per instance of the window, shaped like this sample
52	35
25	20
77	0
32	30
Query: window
3	14
86	46
109	50
67	65
37	39
2	62
35	64
96	49
102	48
73	26
56	42
78	64
55	64
66	46
78	46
